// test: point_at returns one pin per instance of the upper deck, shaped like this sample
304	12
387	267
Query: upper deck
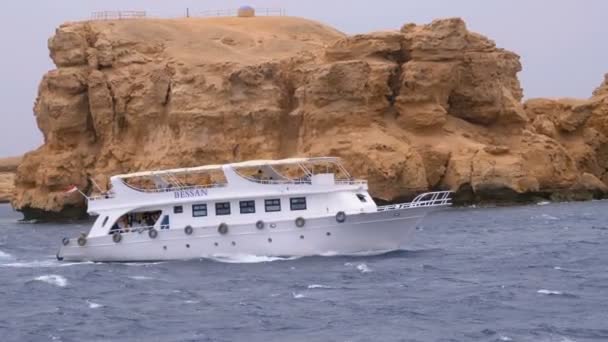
234	180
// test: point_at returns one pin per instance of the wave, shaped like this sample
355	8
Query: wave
93	305
319	286
248	259
53	279
363	268
4	255
297	295
543	203
556	293
141	278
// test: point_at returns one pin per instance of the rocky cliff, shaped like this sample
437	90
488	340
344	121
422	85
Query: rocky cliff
424	107
8	167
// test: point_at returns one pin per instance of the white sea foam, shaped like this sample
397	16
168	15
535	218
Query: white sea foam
297	295
44	264
191	301
319	286
53	279
248	259
543	203
549	292
4	255
363	268
505	338
549	217
138	277
93	305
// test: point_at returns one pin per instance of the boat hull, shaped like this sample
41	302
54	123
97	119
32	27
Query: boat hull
359	233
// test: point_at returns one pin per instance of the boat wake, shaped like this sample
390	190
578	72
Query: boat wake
44	264
248	259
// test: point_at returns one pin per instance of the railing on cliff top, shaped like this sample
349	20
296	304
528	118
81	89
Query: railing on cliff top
123	15
118	15
234	12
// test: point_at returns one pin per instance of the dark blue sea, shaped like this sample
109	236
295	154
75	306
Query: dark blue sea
528	273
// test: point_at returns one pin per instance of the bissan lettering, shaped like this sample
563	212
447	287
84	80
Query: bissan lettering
190	193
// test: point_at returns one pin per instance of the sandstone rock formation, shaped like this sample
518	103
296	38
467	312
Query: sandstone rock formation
425	107
8	167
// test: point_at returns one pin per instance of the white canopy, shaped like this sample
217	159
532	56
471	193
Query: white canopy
250	163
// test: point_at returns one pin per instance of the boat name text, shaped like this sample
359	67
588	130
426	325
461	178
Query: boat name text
190	193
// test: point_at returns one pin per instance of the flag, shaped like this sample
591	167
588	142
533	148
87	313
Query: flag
70	189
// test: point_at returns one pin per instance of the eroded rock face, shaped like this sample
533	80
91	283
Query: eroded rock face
8	167
426	107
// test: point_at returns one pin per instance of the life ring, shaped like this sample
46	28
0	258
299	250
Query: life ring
116	237
300	222
222	228
259	224
152	233
65	241
188	230
82	241
340	216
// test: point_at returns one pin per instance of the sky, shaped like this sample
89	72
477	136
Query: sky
562	43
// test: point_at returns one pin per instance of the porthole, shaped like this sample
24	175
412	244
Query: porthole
165	247
187	246
216	244
328	233
301	236
269	240
233	243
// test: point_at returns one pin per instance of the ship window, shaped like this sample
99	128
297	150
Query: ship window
164	224
298	203
105	220
199	210
247	207
178	209
222	208
361	198
272	205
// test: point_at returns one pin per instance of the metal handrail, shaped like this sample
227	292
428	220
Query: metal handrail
178	188
118	15
126	230
427	199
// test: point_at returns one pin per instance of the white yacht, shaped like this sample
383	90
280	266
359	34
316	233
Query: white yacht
290	207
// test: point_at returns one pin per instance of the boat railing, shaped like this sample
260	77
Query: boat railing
136	229
427	199
177	188
306	180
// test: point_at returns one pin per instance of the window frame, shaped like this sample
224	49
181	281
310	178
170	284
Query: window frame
247	204
199	208
362	198
266	205
178	209
295	206
222	206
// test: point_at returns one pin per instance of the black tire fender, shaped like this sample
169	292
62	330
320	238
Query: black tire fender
152	233
117	237
188	230
340	217
82	241
260	224
222	228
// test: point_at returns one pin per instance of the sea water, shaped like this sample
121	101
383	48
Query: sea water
529	273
